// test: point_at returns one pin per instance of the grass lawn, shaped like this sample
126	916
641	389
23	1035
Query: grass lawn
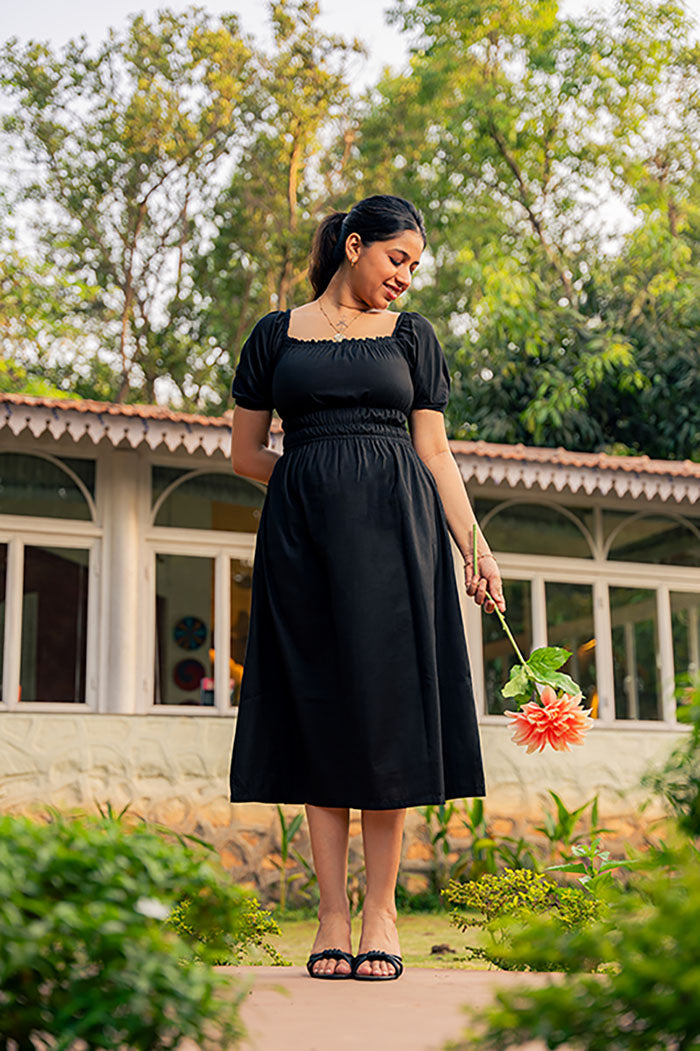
418	932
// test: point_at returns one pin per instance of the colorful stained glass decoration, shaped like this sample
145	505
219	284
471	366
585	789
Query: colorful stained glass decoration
190	633
188	674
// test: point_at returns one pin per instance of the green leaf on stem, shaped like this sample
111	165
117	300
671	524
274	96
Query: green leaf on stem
519	682
547	659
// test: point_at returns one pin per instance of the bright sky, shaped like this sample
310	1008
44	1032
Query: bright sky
58	22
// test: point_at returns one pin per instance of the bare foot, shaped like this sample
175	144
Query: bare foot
378	932
334	932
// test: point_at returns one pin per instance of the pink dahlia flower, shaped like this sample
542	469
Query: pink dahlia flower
558	721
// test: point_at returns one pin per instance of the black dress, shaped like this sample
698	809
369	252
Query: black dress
356	689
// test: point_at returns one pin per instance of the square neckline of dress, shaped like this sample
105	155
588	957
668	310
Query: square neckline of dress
346	339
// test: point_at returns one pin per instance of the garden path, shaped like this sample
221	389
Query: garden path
287	1010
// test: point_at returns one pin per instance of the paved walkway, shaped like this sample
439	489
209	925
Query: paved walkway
287	1010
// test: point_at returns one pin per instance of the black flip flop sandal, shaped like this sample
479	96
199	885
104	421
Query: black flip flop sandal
377	954
330	954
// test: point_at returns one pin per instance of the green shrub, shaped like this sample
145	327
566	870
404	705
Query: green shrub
87	958
647	998
677	781
500	905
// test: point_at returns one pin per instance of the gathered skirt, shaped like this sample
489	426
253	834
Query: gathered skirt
357	689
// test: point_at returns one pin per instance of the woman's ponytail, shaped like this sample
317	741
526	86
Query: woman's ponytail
376	218
326	254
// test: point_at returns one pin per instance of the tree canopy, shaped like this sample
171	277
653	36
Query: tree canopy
179	172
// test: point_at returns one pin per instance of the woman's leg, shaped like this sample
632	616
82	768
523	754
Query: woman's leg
328	828
382	834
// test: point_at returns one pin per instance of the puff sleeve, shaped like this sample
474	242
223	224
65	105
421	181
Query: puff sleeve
429	369
252	381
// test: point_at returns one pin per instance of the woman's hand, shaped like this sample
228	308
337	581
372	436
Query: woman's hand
487	578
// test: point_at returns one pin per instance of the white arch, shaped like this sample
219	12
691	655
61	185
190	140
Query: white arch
552	506
155	510
66	470
670	515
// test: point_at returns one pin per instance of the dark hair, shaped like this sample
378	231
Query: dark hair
376	218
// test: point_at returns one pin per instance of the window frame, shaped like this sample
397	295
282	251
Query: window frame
600	574
203	544
36	533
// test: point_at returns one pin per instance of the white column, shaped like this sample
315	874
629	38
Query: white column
664	657
605	677
122	616
13	622
222	632
631	671
693	641
539	612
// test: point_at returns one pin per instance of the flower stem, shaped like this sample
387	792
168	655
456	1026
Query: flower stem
497	610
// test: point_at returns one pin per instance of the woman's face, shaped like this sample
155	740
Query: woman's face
384	269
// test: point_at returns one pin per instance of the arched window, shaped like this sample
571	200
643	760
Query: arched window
658	539
46	487
206	501
534	528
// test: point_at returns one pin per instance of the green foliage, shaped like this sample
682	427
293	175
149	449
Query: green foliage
288	830
539	667
560	824
108	934
677	781
648	948
187	170
497	904
592	865
437	818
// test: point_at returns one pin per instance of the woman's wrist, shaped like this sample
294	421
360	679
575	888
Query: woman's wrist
469	557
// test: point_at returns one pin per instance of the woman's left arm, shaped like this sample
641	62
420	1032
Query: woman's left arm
427	427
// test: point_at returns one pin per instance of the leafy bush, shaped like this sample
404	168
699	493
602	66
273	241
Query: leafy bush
501	904
86	955
648	944
678	780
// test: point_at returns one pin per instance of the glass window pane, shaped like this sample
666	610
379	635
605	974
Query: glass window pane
685	626
213	501
30	485
54	624
635	653
184	628
3	588
655	539
570	624
85	470
533	529
499	655
241	582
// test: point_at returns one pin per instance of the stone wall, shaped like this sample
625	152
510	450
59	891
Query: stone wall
174	769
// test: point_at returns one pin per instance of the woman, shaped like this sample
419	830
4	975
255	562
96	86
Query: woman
356	688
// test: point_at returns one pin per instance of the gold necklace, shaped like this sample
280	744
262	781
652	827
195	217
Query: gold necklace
341	327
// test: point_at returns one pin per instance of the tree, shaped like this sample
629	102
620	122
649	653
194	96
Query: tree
125	144
266	216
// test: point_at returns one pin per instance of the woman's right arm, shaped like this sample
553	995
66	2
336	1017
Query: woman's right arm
250	456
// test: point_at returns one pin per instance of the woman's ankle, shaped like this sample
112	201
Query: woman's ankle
335	913
386	910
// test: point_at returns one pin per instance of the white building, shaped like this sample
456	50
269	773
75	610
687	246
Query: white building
126	547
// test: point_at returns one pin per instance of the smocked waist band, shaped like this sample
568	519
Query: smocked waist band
344	422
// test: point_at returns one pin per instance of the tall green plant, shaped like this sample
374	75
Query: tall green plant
288	830
677	780
437	819
560	824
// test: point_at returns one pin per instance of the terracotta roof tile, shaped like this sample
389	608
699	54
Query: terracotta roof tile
569	458
482	450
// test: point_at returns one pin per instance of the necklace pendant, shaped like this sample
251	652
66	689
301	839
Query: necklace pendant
338	337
